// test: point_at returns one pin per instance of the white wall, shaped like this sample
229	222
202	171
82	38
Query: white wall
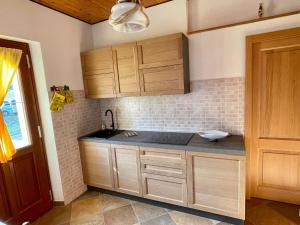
167	18
55	42
210	13
214	54
61	37
221	53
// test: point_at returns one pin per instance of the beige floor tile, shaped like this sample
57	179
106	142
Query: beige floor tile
110	202
222	223
56	216
86	210
98	220
88	194
161	220
146	212
181	218
120	216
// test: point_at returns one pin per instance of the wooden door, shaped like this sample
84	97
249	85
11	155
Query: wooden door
216	183
126	70
98	73
273	118
126	161
25	192
97	164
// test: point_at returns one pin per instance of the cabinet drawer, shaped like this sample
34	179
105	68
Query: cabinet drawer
166	189
163	162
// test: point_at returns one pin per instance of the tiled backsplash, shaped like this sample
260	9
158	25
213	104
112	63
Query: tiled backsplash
76	119
212	104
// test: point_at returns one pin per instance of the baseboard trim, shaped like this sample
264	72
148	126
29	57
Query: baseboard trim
208	215
58	203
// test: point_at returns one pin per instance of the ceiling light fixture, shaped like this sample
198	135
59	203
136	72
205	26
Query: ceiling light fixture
128	16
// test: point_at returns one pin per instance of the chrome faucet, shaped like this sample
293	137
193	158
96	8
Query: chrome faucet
112	118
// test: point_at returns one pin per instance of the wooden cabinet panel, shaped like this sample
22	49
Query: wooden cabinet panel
126	70
97	61
126	162
165	162
163	80
97	164
100	86
166	189
161	51
98	73
216	183
164	65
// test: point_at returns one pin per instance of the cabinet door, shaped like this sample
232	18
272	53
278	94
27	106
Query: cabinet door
165	189
161	51
97	164
98	73
126	161
164	65
216	183
162	80
126	70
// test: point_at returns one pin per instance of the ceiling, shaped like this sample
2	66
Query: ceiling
90	11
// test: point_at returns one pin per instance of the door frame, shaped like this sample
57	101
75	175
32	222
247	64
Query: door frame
250	41
26	50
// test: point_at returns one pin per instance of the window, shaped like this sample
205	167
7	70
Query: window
15	117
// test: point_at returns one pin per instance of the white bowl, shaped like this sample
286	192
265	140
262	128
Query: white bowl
213	135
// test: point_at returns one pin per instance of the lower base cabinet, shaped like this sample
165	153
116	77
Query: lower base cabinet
126	166
205	181
216	183
97	166
165	189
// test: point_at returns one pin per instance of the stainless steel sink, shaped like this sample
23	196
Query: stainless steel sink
104	134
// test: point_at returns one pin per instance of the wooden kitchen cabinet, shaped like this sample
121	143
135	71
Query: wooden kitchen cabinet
97	164
164	175
164	162
165	189
126	70
98	73
164	65
216	183
126	166
157	66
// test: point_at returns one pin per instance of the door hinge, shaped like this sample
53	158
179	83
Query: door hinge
40	131
28	61
50	195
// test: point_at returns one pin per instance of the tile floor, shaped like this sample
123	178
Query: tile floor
264	212
94	208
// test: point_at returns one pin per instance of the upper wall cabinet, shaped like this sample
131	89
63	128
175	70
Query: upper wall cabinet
98	73
126	70
164	65
158	66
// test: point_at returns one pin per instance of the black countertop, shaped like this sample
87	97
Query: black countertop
231	145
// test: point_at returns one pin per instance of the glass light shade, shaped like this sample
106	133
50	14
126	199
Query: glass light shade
128	17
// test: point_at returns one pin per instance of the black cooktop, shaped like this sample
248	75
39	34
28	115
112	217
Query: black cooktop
171	138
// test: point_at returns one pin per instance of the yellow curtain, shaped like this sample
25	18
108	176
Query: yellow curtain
9	62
